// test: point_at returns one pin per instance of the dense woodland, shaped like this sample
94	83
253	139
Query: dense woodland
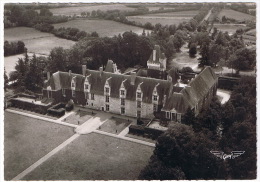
183	151
13	48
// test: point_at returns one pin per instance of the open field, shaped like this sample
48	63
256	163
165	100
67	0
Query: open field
102	27
164	18
26	140
229	13
251	32
70	11
10	61
115	125
230	28
95	157
36	41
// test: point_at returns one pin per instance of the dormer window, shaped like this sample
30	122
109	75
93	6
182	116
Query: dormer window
155	98
72	84
122	92
139	95
86	86
107	90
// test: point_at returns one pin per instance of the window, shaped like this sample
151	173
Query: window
107	90
139	94
138	104
92	96
168	115
155	107
107	98
122	110
122	92
73	93
86	95
122	102
72	84
86	86
155	97
138	114
63	92
174	116
107	107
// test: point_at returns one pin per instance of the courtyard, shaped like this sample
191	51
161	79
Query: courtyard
38	149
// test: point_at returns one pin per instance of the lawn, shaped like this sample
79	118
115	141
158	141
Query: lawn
230	28
182	59
229	13
102	27
26	140
115	125
36	41
95	157
70	11
79	116
164	18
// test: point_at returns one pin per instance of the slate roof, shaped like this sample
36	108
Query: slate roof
189	96
159	55
97	80
177	98
109	66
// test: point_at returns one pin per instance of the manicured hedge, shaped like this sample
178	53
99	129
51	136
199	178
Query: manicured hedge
145	131
42	109
57	110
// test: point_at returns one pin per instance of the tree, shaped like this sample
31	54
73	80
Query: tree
215	54
175	150
228	116
45	12
5	80
93	13
243	59
193	50
33	78
189	117
204	52
57	60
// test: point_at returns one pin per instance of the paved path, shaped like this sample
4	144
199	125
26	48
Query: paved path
45	158
89	126
225	94
125	138
58	121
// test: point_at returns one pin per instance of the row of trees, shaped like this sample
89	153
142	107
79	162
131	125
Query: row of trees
66	33
223	50
183	152
17	15
13	48
28	75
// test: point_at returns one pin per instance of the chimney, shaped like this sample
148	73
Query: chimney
164	100
100	71
69	72
154	55
133	77
84	67
48	75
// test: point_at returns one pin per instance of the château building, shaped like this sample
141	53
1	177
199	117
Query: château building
131	95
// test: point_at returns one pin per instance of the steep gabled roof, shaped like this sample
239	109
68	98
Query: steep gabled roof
196	90
159	55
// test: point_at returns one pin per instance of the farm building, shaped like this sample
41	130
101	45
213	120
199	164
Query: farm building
133	95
